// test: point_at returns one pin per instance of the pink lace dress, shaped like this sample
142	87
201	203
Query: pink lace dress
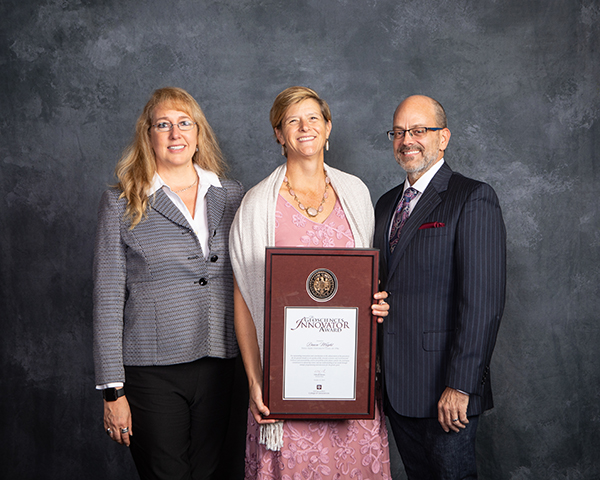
316	450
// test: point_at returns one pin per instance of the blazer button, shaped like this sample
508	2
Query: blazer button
214	258
203	281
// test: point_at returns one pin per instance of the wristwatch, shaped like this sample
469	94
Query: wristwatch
112	394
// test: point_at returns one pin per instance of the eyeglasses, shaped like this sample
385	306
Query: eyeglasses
184	126
417	132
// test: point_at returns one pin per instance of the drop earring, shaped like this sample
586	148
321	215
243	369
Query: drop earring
327	145
283	150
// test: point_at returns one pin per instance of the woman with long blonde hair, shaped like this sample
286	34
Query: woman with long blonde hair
164	341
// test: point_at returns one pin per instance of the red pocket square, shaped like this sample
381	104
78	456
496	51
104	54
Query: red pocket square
432	225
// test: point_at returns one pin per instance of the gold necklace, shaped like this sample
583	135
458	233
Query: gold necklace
186	188
310	211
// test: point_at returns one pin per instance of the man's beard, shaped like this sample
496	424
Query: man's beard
419	167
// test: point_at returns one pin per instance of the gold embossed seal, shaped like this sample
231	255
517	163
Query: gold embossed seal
321	285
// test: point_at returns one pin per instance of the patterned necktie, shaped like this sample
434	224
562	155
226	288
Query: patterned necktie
401	216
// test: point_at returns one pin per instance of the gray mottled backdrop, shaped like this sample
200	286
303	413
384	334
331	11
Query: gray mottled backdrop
520	82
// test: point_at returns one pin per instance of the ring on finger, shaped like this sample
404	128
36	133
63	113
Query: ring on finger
455	420
108	431
125	430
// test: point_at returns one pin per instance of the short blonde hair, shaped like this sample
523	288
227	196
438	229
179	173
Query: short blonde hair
137	165
291	96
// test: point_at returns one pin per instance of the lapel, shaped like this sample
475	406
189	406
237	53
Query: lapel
163	205
216	199
427	203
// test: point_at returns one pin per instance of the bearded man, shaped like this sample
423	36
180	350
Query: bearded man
442	246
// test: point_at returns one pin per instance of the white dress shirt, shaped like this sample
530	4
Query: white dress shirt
199	222
420	185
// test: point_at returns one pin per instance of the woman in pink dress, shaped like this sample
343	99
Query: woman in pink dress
302	203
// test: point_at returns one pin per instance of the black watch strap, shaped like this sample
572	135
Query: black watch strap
112	394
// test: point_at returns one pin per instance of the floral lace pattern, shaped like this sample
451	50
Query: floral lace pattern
319	450
295	230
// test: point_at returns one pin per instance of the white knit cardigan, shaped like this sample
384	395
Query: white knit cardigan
253	229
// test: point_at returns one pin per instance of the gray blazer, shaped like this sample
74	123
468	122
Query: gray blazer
157	301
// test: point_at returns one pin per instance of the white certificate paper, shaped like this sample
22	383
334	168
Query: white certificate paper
320	353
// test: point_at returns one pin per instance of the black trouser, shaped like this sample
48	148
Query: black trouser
429	453
180	416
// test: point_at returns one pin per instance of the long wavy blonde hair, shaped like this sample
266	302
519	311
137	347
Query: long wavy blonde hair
137	165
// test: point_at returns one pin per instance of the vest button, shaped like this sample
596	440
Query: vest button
214	258
203	281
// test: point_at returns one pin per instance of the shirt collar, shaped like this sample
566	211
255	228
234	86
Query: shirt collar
422	183
206	177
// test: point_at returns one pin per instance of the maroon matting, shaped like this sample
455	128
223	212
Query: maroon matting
287	271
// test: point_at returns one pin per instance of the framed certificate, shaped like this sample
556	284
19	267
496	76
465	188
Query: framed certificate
320	335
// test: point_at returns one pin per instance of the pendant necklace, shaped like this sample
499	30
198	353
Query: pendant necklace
310	211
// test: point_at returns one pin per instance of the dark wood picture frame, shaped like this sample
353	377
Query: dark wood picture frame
287	273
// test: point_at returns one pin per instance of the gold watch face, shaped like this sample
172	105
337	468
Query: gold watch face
321	285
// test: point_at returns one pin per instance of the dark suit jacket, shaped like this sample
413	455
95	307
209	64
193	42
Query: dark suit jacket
447	289
157	300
